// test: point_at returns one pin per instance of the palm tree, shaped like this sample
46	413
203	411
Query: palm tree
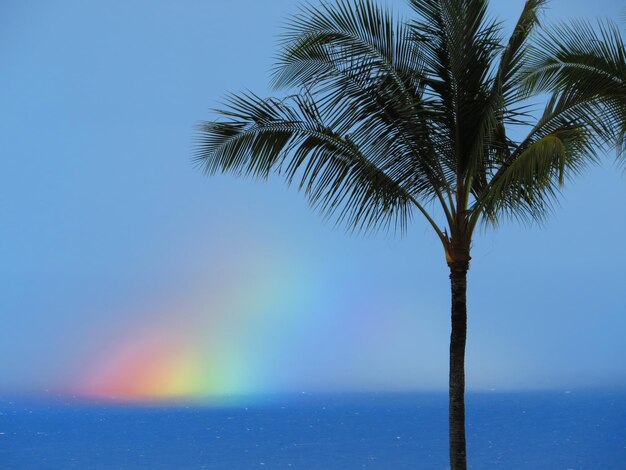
387	118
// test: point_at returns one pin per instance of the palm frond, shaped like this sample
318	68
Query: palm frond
461	43
365	73
527	188
526	184
353	34
588	63
341	179
515	55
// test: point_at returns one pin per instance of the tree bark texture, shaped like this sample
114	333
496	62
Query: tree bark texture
458	283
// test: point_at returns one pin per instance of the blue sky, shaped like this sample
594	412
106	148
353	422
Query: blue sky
104	216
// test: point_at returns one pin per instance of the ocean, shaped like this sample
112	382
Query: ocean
556	430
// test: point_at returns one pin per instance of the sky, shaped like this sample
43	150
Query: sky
124	272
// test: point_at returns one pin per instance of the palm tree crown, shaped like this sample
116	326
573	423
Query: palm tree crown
389	115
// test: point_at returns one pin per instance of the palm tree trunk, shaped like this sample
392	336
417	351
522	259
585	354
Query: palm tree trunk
458	282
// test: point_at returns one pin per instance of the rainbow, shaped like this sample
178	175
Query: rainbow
257	321
216	344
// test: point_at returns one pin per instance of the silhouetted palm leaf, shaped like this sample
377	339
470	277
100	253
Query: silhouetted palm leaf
587	64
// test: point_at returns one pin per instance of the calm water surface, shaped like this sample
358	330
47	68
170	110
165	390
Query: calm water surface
505	431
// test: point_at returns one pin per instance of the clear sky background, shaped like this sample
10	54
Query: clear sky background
124	271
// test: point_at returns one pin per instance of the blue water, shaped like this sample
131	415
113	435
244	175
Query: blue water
508	431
